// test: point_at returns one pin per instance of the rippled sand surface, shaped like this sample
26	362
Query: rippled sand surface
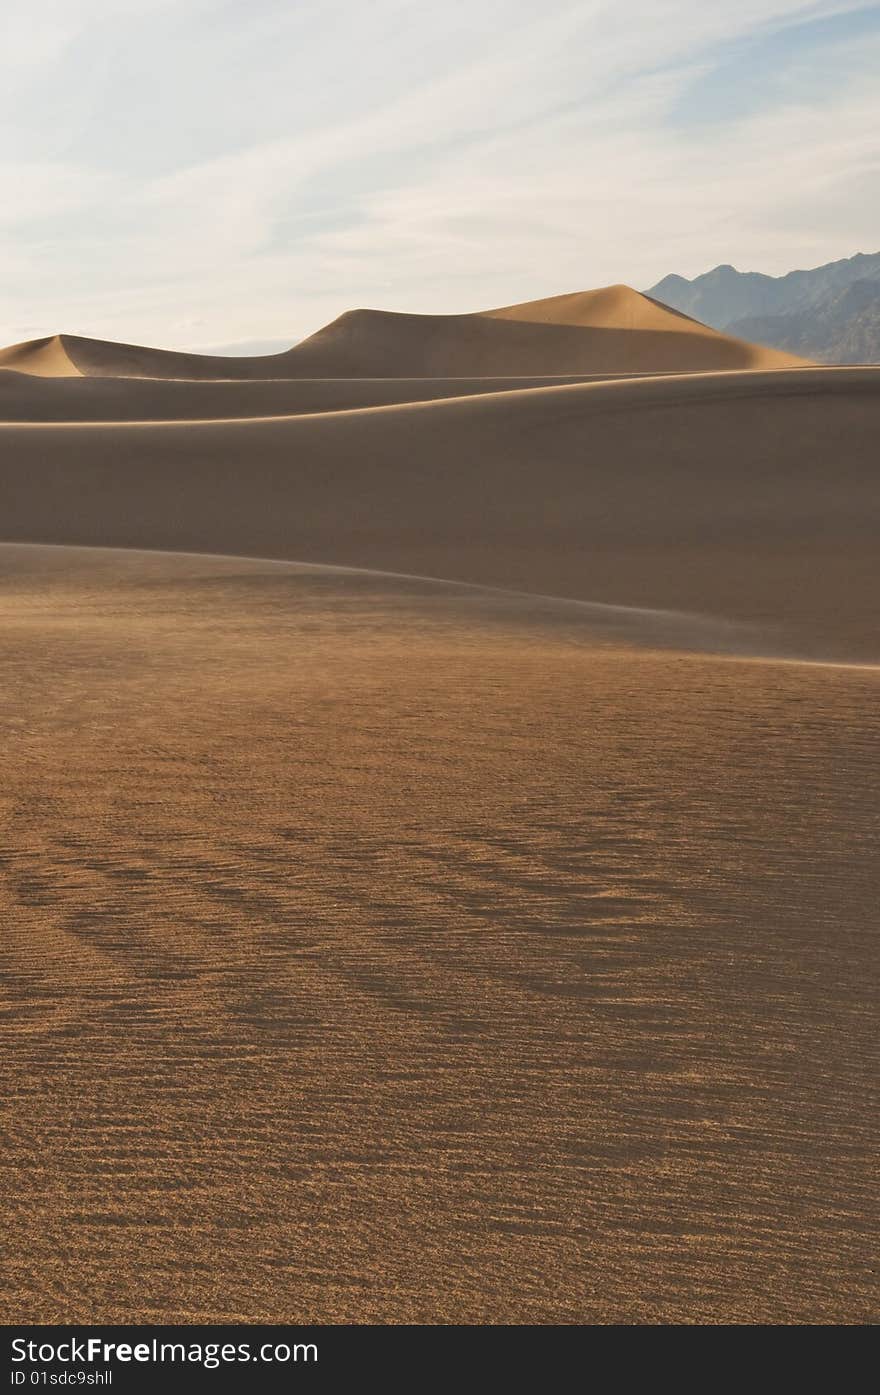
380	951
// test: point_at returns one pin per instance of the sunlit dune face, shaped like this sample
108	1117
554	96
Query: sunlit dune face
379	951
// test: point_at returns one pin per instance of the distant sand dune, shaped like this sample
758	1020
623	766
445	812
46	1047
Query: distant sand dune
43	358
613	330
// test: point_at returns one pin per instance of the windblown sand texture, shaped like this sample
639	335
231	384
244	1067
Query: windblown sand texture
467	916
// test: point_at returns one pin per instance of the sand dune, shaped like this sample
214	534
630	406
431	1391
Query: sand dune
748	496
382	951
609	307
24	397
72	356
609	331
41	358
615	330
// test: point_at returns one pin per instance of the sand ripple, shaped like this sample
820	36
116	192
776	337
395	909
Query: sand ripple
369	954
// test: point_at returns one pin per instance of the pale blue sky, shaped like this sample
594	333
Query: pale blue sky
200	173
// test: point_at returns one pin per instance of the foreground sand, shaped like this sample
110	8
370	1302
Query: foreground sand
379	950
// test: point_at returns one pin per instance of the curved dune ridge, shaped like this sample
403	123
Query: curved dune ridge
749	496
26	397
613	330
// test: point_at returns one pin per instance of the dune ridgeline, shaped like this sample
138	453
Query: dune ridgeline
596	446
613	330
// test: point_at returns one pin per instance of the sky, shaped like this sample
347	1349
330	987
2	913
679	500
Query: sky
213	174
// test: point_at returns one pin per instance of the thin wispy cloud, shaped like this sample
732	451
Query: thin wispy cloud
196	174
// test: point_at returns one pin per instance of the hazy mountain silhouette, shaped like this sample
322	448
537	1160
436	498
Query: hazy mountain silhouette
831	313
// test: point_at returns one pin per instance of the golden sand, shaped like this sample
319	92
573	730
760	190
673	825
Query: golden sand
379	951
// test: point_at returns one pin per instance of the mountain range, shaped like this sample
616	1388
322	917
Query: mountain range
830	314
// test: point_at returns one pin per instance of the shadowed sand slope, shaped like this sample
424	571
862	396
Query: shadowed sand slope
613	330
749	496
375	950
24	397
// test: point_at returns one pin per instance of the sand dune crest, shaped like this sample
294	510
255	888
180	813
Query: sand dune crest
611	330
